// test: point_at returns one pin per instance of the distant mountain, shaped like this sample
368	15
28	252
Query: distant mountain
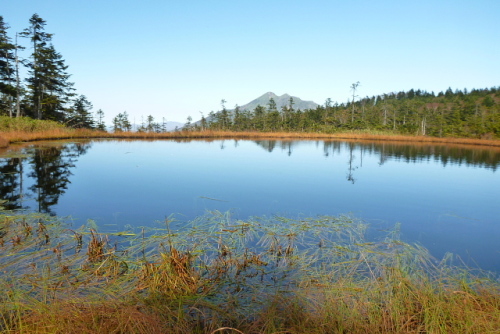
171	126
282	100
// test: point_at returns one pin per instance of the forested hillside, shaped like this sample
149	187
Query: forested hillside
474	114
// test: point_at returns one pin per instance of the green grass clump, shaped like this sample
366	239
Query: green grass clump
27	124
219	275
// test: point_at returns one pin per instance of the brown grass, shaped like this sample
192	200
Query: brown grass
3	142
85	317
62	133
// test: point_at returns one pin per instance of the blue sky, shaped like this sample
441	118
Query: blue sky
175	59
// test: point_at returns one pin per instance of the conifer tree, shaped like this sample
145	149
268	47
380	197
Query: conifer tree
151	123
354	87
49	88
121	122
100	123
7	71
79	115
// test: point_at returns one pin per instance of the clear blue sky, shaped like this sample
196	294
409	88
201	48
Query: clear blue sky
173	59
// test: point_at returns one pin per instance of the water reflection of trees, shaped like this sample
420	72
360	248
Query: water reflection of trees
50	168
284	145
11	181
411	153
444	154
352	168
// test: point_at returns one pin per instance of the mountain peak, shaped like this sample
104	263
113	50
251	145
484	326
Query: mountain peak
281	100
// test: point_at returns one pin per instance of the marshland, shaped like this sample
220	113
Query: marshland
373	211
308	223
302	235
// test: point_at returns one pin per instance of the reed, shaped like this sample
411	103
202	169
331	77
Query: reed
220	275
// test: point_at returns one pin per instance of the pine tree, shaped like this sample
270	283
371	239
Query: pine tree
117	123
49	88
354	87
121	122
164	125
187	126
79	115
151	123
100	123
273	116
7	71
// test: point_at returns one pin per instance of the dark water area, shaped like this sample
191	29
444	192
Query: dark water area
445	197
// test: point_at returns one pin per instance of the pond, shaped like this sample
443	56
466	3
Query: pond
445	197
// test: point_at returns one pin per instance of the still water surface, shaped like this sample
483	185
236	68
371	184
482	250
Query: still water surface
446	198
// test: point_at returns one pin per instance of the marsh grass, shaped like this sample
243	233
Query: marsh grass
27	124
3	142
219	275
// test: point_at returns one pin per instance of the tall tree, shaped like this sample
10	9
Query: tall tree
224	118
48	82
39	40
273	116
150	123
121	122
354	87
100	117
188	124
18	80
7	71
79	115
164	124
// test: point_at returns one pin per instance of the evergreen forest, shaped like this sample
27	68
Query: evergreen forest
474	114
46	93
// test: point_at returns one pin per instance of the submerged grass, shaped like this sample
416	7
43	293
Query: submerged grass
219	275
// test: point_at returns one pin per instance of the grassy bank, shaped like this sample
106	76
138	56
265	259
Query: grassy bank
22	129
218	275
27	129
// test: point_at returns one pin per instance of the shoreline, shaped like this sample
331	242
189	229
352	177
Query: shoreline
7	139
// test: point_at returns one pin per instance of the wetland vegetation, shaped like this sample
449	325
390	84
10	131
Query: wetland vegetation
316	275
220	275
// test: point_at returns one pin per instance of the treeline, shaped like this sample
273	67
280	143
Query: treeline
458	113
122	123
46	93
